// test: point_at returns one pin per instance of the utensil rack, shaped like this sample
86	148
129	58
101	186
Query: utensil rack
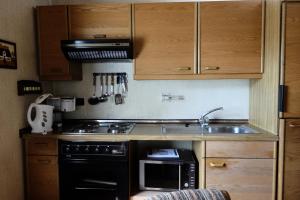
112	84
111	74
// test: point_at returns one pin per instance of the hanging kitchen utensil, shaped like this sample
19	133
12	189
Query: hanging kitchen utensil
94	100
112	84
106	85
118	96
126	82
102	98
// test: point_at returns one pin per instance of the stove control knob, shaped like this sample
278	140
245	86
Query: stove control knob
67	149
116	151
77	148
86	149
107	149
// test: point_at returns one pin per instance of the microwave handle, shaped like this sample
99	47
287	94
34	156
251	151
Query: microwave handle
179	175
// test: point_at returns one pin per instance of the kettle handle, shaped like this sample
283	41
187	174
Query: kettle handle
30	121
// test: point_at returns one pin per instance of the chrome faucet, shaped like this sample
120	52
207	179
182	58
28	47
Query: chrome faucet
204	120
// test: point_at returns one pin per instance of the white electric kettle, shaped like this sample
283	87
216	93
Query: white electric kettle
42	115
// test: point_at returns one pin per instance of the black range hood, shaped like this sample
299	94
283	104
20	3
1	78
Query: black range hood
98	50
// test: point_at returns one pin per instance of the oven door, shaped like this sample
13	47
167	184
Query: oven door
94	180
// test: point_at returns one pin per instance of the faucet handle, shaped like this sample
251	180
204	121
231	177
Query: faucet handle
203	121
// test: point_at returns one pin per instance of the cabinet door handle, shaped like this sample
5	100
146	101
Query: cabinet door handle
99	36
217	165
212	68
43	161
294	125
183	68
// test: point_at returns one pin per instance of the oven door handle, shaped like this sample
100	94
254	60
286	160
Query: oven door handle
100	182
94	188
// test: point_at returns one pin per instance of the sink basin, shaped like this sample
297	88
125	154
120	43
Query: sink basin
229	129
211	129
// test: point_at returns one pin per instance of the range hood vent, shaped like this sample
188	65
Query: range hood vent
97	50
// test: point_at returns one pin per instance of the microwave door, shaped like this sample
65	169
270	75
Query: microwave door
160	175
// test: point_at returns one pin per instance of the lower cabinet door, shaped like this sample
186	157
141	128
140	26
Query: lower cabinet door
243	179
291	182
42	178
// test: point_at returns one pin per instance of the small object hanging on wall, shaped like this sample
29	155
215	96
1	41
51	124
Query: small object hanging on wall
8	55
29	87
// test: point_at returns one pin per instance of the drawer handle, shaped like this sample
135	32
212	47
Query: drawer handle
293	125
212	68
183	68
217	165
41	143
44	161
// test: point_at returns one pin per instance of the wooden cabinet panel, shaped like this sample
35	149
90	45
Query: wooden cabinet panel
291	189
230	37
53	27
95	20
41	146
244	179
42	181
240	149
292	60
52	22
165	38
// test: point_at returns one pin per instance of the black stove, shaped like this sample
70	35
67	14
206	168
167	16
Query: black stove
82	127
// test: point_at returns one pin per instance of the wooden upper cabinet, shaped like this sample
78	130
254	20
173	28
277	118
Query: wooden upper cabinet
291	59
52	22
164	39
98	20
230	37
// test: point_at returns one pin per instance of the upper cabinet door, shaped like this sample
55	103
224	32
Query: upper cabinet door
100	20
52	28
291	59
164	39
231	37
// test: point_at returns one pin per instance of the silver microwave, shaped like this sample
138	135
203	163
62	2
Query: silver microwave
169	174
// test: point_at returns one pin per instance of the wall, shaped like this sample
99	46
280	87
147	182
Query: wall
16	25
144	98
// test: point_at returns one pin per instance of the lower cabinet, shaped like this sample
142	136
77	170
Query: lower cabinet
243	178
42	178
41	168
246	173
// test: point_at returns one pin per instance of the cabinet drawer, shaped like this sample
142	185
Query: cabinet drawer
41	146
42	178
240	149
244	179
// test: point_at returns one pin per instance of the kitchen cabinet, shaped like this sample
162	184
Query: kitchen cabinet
289	151
164	39
290	61
41	169
245	169
230	37
52	25
100	20
291	177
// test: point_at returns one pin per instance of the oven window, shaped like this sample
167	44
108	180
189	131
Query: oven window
162	175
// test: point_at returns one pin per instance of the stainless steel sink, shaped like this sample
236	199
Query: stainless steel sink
211	129
229	129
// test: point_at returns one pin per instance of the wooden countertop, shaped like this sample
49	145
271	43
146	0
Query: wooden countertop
153	132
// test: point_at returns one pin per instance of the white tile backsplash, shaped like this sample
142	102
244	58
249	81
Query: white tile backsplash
144	100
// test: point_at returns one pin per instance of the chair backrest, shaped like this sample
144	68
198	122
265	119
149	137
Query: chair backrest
196	194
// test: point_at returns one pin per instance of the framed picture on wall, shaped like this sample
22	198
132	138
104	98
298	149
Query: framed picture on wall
8	55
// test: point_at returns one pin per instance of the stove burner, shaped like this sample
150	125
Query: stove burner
97	128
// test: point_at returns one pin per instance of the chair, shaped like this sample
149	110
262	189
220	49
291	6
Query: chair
196	194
